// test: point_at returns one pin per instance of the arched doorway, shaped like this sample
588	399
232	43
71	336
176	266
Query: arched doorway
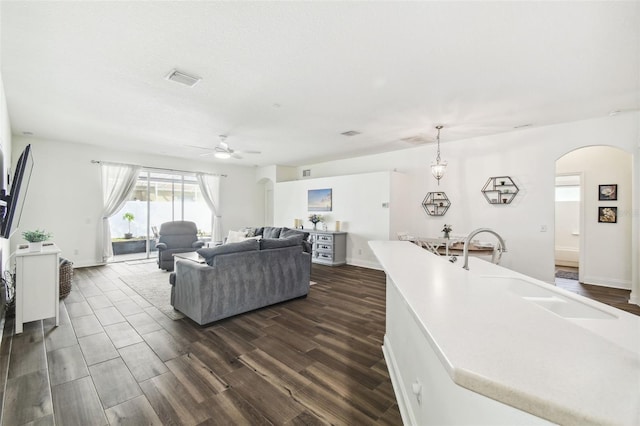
604	218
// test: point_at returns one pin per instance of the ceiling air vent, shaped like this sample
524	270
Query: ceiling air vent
417	140
350	133
182	78
306	173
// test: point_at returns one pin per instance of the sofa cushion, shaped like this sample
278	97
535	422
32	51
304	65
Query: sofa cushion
271	243
269	232
210	253
288	232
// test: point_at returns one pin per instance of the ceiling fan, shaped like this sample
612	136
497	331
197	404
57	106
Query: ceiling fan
224	151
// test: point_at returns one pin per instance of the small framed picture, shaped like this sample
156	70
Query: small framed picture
607	214
607	192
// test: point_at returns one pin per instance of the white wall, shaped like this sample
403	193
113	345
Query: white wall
64	195
357	202
5	162
605	247
528	156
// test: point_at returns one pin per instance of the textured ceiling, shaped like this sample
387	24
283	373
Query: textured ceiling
286	78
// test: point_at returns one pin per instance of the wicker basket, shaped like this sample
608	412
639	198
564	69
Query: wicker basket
66	276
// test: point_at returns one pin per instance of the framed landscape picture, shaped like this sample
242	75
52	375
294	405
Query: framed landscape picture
607	192
607	214
319	200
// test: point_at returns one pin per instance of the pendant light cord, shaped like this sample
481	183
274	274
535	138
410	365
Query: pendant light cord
438	139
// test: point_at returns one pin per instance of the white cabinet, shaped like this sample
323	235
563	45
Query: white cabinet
329	247
37	284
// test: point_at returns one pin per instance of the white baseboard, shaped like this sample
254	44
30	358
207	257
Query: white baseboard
364	264
87	264
607	282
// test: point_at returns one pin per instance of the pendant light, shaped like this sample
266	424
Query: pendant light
438	168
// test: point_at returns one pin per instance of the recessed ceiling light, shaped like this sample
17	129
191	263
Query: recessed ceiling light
182	78
350	133
520	126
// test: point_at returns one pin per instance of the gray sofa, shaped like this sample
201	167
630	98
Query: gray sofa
240	277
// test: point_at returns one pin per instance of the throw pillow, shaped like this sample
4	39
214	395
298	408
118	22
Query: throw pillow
250	232
236	236
271	243
210	253
270	232
288	232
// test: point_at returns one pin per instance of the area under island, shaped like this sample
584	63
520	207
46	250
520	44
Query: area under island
492	346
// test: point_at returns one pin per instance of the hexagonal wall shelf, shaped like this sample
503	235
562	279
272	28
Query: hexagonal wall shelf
436	203
500	190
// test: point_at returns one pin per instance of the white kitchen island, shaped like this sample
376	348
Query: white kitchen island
492	346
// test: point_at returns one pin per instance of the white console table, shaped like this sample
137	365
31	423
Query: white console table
37	284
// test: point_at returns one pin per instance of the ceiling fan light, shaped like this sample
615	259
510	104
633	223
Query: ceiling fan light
222	155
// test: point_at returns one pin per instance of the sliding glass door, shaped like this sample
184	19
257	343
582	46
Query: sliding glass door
157	198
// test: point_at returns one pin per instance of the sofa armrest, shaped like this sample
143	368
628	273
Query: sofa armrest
191	278
161	246
198	244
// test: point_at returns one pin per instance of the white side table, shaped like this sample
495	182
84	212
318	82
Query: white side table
37	284
191	255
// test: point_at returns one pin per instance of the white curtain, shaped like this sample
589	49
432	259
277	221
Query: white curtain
210	188
117	183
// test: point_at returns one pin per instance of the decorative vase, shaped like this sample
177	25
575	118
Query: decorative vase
315	226
35	246
446	234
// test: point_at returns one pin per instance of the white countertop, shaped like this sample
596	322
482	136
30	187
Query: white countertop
501	345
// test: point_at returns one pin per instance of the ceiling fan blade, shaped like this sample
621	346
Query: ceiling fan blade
249	152
236	156
197	147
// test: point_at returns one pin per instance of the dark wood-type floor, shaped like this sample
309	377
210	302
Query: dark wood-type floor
615	297
115	359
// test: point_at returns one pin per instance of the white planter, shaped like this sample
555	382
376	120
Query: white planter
37	246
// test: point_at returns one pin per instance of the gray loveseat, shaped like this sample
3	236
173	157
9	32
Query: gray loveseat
240	277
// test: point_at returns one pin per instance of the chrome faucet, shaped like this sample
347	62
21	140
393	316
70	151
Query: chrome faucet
502	247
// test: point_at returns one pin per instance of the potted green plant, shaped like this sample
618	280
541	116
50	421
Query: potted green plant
36	238
129	218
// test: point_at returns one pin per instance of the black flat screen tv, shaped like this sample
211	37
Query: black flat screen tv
14	200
